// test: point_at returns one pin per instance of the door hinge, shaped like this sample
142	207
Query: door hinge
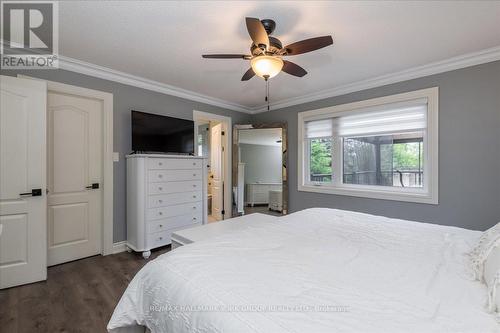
222	133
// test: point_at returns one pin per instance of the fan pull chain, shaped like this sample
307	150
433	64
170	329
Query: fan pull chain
267	98
266	77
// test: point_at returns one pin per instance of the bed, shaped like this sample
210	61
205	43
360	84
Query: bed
317	270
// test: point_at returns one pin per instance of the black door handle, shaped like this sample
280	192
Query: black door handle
36	192
93	186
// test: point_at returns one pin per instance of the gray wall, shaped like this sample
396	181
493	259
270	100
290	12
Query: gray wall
469	150
262	163
126	98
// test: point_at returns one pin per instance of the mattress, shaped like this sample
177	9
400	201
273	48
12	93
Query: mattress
317	270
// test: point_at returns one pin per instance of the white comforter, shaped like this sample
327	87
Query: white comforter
318	270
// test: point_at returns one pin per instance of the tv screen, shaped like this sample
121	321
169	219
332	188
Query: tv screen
160	134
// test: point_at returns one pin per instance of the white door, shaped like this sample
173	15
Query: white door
216	165
75	149
23	224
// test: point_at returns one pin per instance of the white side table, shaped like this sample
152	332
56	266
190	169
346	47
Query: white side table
275	201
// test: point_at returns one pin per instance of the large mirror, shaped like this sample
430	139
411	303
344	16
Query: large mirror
260	177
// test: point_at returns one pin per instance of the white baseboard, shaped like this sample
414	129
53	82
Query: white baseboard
119	247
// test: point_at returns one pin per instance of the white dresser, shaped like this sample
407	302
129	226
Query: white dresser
165	193
258	193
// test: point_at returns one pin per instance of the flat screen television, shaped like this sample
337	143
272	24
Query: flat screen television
153	133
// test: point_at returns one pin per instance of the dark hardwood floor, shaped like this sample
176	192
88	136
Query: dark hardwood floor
78	296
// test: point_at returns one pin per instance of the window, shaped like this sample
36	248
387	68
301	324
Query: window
384	148
320	160
384	160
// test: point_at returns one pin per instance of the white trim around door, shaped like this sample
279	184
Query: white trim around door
107	203
228	132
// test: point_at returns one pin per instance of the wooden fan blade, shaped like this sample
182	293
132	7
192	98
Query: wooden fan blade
257	32
226	56
248	75
308	45
293	69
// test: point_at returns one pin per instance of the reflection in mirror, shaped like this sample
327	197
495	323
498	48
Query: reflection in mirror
203	139
260	182
210	144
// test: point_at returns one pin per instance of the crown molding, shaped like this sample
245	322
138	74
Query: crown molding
78	66
467	60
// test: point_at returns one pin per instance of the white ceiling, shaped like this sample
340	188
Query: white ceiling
260	136
163	40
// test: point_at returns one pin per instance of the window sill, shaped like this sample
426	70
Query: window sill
395	195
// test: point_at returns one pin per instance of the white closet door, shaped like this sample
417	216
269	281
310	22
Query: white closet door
23	235
75	148
216	169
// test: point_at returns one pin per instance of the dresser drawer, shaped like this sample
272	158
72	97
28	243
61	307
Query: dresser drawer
160	239
174	187
172	164
173	175
163	200
164	237
174	222
176	210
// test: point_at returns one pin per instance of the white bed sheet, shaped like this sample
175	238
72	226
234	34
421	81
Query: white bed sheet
370	274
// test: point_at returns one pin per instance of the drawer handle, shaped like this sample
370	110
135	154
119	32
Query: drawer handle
160	188
194	207
160	163
160	201
194	196
194	175
161	225
160	176
194	163
194	185
194	218
160	213
160	238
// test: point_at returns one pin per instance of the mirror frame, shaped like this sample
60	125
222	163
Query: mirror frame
284	158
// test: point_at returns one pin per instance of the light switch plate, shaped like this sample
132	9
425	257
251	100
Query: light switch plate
116	157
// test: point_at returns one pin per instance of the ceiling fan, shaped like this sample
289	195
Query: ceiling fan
267	51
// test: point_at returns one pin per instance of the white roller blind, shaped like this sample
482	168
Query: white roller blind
382	119
319	128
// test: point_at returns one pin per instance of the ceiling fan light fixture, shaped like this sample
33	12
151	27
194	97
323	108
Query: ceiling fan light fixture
266	66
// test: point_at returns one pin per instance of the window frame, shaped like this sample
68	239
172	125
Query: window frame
428	194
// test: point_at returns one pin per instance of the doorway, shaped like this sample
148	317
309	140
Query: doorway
259	169
212	138
79	172
50	211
